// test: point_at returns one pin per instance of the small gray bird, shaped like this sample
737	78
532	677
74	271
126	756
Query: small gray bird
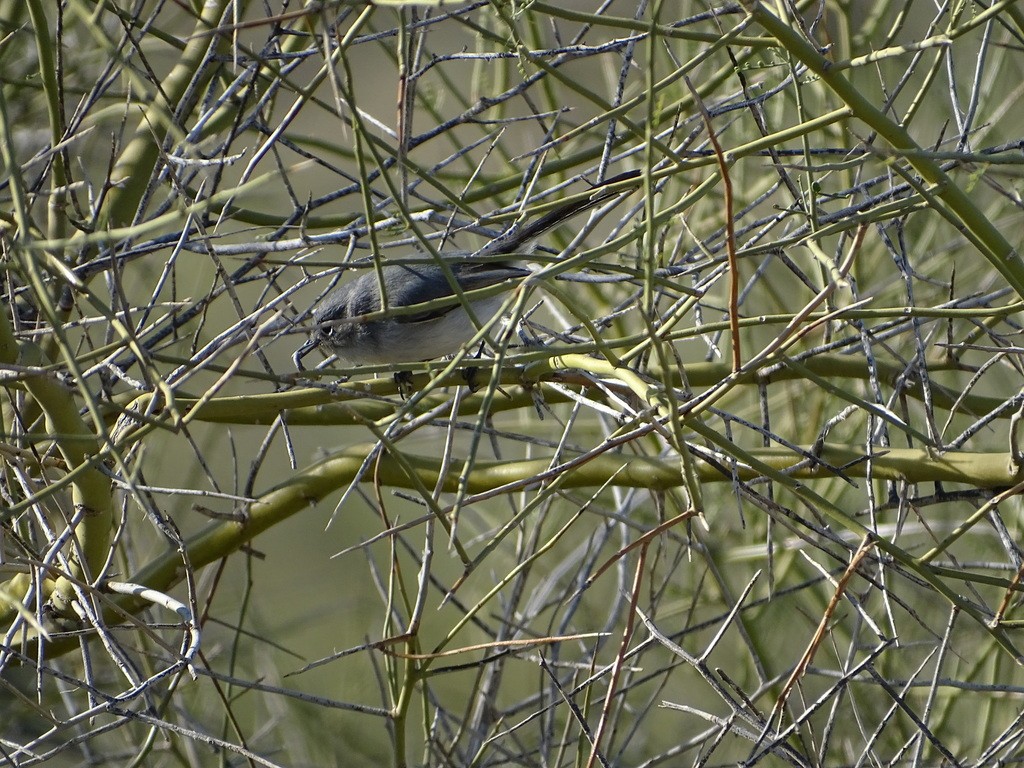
340	319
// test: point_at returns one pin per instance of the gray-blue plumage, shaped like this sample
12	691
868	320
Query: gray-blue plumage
340	319
407	337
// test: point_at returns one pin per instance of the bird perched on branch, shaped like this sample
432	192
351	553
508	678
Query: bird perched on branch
349	321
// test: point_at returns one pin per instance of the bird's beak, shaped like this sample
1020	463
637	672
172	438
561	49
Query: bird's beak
311	344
